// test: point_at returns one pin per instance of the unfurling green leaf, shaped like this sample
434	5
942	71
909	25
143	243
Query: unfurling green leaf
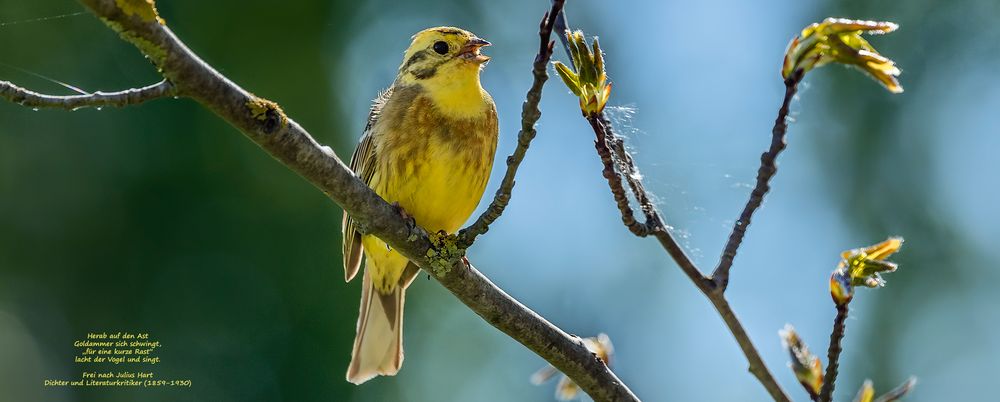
862	267
839	40
569	77
589	80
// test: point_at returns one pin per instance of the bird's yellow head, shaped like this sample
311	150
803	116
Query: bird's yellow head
445	63
449	51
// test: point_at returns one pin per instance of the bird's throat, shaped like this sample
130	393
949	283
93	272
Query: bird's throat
456	92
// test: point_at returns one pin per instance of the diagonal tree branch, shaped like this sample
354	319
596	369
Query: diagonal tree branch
264	123
767	170
561	26
128	97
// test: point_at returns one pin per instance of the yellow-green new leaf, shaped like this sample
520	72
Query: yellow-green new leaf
839	40
865	265
599	61
569	77
587	79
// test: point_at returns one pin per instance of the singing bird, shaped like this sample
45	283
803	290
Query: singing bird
428	147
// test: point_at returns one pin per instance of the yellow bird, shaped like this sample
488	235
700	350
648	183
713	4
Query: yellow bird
428	146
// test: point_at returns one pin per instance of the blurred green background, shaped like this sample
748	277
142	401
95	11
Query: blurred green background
161	218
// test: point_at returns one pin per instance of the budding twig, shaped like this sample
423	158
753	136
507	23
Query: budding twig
768	168
530	113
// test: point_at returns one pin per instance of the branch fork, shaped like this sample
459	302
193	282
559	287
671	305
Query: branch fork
833	40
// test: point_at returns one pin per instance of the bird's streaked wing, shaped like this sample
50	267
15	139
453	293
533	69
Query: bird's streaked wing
363	164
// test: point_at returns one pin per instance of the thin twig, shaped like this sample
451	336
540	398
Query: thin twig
757	366
605	136
561	26
530	113
607	142
767	170
614	180
264	123
133	96
654	223
833	354
628	169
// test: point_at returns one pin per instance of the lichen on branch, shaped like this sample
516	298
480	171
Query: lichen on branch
144	9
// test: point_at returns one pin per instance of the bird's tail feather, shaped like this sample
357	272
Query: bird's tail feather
378	345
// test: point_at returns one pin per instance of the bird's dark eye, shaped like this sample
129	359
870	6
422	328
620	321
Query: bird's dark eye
440	47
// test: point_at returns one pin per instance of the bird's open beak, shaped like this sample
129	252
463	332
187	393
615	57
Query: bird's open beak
470	51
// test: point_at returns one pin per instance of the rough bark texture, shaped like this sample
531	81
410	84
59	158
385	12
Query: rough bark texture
833	354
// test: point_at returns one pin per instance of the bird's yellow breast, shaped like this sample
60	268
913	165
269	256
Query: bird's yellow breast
435	166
